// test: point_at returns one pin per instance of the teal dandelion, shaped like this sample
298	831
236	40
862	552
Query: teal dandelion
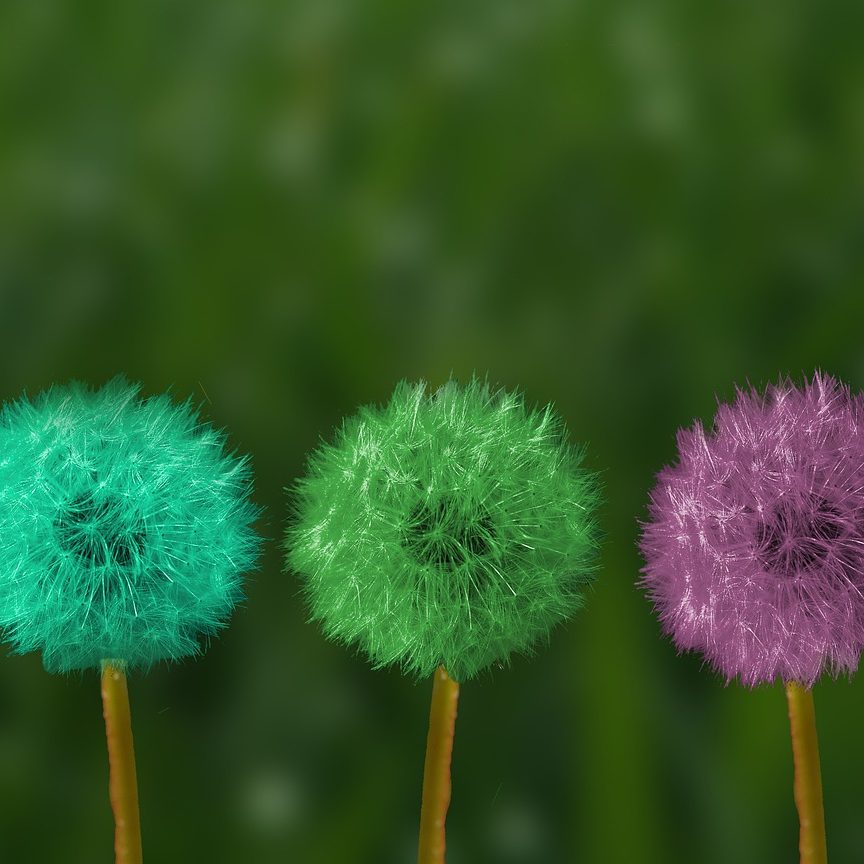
443	533
125	531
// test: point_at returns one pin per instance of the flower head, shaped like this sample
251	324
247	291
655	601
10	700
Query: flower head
755	548
124	527
452	528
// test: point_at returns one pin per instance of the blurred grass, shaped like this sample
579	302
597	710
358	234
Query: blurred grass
282	208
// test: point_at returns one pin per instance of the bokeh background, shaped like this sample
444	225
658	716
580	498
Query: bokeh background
282	208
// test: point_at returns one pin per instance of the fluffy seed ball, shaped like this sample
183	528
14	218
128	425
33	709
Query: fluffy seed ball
124	527
755	548
452	528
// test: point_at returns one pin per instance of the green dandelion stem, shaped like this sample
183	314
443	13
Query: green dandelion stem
123	783
808	777
436	772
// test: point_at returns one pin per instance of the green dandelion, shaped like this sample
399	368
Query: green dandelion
125	530
444	532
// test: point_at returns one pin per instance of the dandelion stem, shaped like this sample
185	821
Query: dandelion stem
123	784
808	778
436	772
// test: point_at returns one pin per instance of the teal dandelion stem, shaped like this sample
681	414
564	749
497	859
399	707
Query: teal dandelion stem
123	779
449	529
125	531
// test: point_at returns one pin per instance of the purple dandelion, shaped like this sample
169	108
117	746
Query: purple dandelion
754	554
755	547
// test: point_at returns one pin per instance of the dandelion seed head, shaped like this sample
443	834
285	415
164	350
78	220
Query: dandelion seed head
754	550
449	528
125	527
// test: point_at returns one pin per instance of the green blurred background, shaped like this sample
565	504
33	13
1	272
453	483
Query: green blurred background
280	209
